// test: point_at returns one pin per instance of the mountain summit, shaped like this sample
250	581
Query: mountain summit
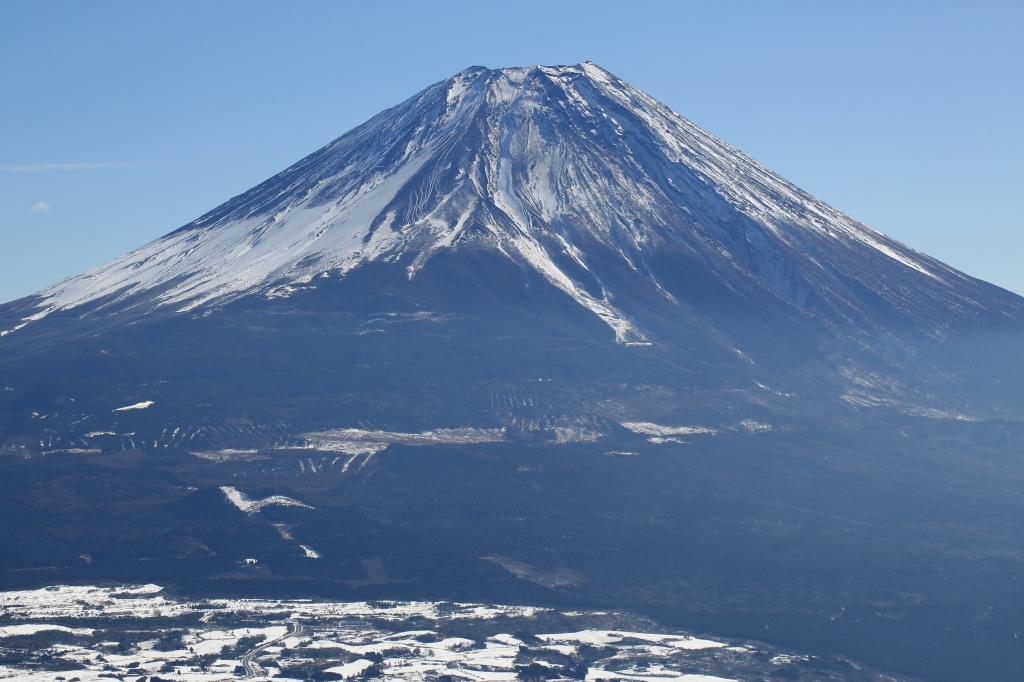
568	171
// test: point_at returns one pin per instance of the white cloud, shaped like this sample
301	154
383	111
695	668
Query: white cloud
73	166
40	207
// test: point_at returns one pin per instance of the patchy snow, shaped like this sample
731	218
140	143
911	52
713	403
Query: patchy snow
357	442
249	506
207	640
32	628
230	455
137	406
649	429
606	637
67	601
352	669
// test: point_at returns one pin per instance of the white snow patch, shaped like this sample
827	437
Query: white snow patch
250	506
229	455
137	406
606	637
362	442
33	628
649	429
350	669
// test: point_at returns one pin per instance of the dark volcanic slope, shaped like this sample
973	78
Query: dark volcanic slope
530	336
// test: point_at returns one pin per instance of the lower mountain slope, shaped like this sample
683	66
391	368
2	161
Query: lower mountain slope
475	434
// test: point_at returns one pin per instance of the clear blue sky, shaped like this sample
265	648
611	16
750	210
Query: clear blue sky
120	122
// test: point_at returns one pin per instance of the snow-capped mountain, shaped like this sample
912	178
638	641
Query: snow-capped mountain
568	171
616	205
532	337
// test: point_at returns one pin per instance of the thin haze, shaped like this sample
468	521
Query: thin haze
123	121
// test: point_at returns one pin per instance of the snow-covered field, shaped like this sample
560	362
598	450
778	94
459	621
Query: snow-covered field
82	634
356	442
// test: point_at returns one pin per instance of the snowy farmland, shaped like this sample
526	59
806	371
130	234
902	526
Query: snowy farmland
83	634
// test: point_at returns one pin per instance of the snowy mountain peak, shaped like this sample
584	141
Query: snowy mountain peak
566	170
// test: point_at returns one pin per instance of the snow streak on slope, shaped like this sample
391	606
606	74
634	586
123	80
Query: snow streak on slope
250	506
567	171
